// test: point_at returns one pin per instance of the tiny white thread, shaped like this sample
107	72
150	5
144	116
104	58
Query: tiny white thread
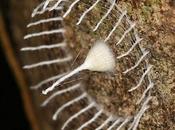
59	92
70	8
124	123
126	32
44	21
37	86
57	4
138	62
36	10
142	78
150	86
82	96
77	114
54	6
48	9
44	33
140	113
46	3
129	51
139	117
49	62
76	57
43	47
114	124
63	79
87	11
110	118
116	25
91	120
104	17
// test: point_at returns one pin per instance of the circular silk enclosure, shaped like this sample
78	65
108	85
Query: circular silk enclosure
98	73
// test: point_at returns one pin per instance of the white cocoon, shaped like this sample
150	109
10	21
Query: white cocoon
100	58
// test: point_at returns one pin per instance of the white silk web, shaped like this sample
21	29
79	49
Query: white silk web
100	58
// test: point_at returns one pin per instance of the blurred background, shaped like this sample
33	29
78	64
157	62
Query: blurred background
12	112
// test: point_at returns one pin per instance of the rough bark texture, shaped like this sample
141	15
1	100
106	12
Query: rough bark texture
156	19
155	22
